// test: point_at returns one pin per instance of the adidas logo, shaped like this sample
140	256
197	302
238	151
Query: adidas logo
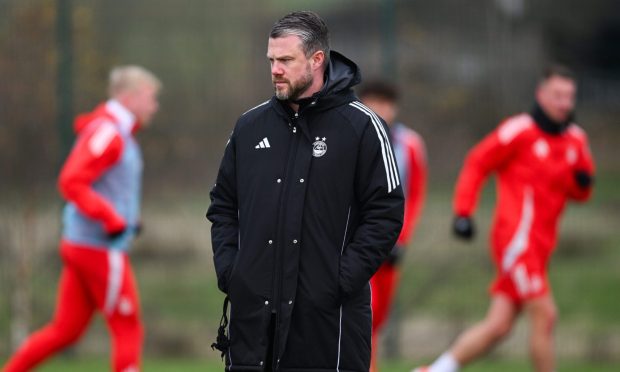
263	144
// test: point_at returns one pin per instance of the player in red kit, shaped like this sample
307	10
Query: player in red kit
410	153
541	160
101	181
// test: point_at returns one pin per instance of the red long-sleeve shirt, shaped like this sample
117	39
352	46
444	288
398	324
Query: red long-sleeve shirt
535	177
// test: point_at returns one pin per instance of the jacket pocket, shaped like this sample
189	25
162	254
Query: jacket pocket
231	271
356	323
224	279
248	331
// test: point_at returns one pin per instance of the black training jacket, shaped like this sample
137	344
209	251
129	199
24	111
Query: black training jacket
305	208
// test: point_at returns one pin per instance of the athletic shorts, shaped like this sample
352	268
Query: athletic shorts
525	280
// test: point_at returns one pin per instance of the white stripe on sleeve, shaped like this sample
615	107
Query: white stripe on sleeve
391	159
389	163
101	139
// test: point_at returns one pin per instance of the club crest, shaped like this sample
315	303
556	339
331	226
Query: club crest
541	149
571	155
319	147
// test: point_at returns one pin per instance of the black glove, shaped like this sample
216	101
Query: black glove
583	179
395	256
116	233
463	227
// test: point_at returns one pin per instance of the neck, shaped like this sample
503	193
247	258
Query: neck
546	124
315	87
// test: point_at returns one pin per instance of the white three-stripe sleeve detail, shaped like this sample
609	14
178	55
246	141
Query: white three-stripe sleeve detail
102	138
377	123
396	178
115	275
393	179
383	149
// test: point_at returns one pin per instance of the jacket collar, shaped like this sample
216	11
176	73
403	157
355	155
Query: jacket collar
546	124
125	119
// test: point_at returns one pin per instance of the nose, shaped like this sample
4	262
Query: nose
276	69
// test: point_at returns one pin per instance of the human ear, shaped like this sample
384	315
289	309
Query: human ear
318	59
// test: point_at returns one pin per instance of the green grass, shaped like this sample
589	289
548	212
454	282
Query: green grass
63	364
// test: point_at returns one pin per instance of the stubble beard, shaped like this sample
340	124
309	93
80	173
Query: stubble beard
295	90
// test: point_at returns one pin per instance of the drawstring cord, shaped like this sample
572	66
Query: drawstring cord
222	343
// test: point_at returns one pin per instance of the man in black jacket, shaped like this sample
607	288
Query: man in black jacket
306	207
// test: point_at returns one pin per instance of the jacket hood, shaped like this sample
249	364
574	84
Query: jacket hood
341	75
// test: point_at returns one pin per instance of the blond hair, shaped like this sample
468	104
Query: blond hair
125	78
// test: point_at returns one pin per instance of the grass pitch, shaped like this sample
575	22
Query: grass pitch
63	364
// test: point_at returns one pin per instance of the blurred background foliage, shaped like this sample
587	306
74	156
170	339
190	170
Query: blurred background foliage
462	67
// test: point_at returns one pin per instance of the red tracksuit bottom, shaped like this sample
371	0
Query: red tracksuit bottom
383	285
91	279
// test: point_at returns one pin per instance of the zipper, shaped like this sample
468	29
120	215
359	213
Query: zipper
281	241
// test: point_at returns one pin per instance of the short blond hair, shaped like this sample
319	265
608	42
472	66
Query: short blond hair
124	78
